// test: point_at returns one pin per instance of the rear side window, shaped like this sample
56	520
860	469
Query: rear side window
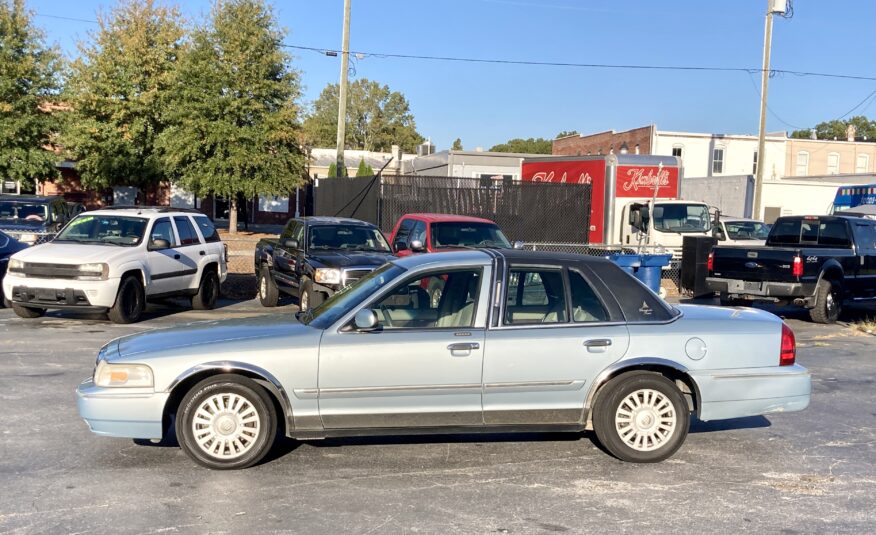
535	296
187	234
586	306
834	233
828	232
207	229
865	235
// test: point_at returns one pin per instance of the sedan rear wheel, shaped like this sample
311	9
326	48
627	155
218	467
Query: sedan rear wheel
642	418
226	422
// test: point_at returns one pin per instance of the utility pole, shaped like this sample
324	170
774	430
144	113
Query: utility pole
773	7
342	91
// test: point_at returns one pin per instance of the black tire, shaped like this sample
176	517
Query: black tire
828	302
612	429
254	437
269	294
308	298
130	302
208	291
27	312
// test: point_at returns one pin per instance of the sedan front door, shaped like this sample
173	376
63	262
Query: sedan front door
556	335
421	368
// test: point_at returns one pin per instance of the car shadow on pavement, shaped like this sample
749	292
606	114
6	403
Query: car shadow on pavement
748	422
154	310
851	313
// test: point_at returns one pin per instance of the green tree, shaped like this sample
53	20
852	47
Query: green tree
28	89
333	170
864	127
233	114
565	133
117	90
457	145
530	146
364	169
377	118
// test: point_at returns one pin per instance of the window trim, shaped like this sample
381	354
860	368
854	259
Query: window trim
837	155
503	322
158	220
866	158
195	233
800	153
680	148
723	150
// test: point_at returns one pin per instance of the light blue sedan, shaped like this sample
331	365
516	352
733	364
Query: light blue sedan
517	341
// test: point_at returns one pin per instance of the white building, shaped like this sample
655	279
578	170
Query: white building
721	154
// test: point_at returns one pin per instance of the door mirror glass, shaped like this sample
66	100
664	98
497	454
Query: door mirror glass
519	245
290	243
417	246
158	244
365	320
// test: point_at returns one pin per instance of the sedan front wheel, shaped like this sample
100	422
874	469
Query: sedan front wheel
226	422
642	418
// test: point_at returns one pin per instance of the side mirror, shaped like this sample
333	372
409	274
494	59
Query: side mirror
635	219
417	246
518	245
365	320
155	245
290	243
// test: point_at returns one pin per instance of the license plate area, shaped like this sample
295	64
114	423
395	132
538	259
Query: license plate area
751	286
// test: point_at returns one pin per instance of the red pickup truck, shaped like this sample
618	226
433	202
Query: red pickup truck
429	233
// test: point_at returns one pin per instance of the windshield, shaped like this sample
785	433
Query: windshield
468	235
23	211
323	316
747	230
348	238
681	217
103	229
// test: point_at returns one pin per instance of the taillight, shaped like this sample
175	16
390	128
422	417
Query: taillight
797	267
710	263
788	354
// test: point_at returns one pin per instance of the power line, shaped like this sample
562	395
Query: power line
59	17
859	104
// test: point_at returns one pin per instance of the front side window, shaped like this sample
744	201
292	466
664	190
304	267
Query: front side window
112	230
681	218
458	234
187	234
349	297
410	305
162	230
346	238
535	295
418	233
718	161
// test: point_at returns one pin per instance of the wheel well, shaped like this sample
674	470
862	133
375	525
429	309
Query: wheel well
180	390
682	380
135	273
832	274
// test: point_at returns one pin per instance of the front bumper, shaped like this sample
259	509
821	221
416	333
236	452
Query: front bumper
760	290
737	393
60	293
121	412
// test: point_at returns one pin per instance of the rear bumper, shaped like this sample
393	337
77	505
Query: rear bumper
737	393
755	290
120	412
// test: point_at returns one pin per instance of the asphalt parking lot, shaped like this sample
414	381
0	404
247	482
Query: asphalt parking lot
809	472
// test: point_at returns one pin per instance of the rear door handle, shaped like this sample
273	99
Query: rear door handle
598	344
176	257
463	349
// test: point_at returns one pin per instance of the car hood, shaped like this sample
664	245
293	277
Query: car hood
193	335
342	259
22	225
71	253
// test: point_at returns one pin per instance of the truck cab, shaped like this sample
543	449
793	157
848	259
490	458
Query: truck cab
664	223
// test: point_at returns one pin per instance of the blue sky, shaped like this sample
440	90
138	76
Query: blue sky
486	104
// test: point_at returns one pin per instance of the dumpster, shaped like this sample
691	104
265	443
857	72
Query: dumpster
651	268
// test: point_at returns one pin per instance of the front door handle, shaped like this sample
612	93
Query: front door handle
463	349
202	253
597	345
176	257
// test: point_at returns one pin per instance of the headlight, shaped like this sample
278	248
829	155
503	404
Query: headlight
15	266
29	239
327	276
93	272
123	375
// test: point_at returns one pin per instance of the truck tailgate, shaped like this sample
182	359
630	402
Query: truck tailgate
754	264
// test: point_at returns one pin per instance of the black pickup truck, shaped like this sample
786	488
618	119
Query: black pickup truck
314	257
817	262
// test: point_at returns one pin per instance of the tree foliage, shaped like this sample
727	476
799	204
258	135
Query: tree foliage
864	127
377	118
333	170
232	113
364	169
565	133
457	145
28	88
117	90
530	145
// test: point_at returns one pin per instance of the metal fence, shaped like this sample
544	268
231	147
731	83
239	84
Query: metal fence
671	275
527	211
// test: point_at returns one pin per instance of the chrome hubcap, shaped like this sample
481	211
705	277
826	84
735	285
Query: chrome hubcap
645	420
226	426
263	287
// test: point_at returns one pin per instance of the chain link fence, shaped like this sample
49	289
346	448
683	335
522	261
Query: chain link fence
671	274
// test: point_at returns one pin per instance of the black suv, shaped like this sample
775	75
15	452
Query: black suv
33	219
314	257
